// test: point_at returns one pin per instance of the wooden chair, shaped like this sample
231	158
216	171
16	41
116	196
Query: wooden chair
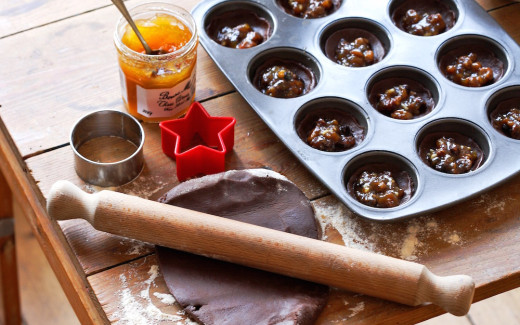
8	269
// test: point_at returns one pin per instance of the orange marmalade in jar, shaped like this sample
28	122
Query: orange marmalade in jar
160	86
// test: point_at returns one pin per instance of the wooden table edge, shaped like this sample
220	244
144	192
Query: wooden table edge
52	241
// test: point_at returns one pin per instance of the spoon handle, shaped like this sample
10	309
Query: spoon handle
122	8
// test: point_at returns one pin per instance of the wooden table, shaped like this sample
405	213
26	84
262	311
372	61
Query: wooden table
59	63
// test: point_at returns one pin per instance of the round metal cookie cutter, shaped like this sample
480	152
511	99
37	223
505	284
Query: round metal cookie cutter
112	124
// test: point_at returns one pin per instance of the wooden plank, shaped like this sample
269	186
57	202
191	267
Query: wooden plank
6	199
63	263
22	15
507	17
493	4
71	69
9	285
447	319
503	309
135	293
97	250
18	16
43	300
9	279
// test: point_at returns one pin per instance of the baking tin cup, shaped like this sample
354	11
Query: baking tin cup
198	142
416	59
108	123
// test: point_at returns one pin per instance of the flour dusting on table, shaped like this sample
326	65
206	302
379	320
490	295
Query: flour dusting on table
139	308
410	243
491	203
143	186
453	239
137	248
339	217
408	239
360	306
165	298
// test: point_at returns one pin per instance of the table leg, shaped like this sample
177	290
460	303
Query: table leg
8	269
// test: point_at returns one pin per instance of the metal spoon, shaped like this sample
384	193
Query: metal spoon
122	8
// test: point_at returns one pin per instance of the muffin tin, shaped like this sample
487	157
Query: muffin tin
387	141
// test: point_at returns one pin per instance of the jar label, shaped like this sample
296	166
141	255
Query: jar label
167	102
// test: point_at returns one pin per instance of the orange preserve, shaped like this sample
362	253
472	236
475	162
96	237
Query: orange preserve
159	86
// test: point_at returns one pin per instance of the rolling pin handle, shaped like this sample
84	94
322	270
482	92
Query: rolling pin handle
453	293
67	201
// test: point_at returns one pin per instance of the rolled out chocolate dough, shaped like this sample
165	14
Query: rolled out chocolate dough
216	292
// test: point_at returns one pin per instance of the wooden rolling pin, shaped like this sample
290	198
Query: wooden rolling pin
263	248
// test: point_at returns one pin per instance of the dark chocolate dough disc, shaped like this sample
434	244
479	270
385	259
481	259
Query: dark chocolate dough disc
216	292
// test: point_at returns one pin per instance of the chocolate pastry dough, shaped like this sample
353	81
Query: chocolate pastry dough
217	292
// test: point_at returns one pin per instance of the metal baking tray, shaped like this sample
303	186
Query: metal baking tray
458	109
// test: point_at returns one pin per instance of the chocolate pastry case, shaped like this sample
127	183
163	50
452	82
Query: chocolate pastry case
399	57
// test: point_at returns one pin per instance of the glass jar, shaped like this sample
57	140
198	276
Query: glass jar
161	86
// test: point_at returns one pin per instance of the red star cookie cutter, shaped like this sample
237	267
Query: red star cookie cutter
198	142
